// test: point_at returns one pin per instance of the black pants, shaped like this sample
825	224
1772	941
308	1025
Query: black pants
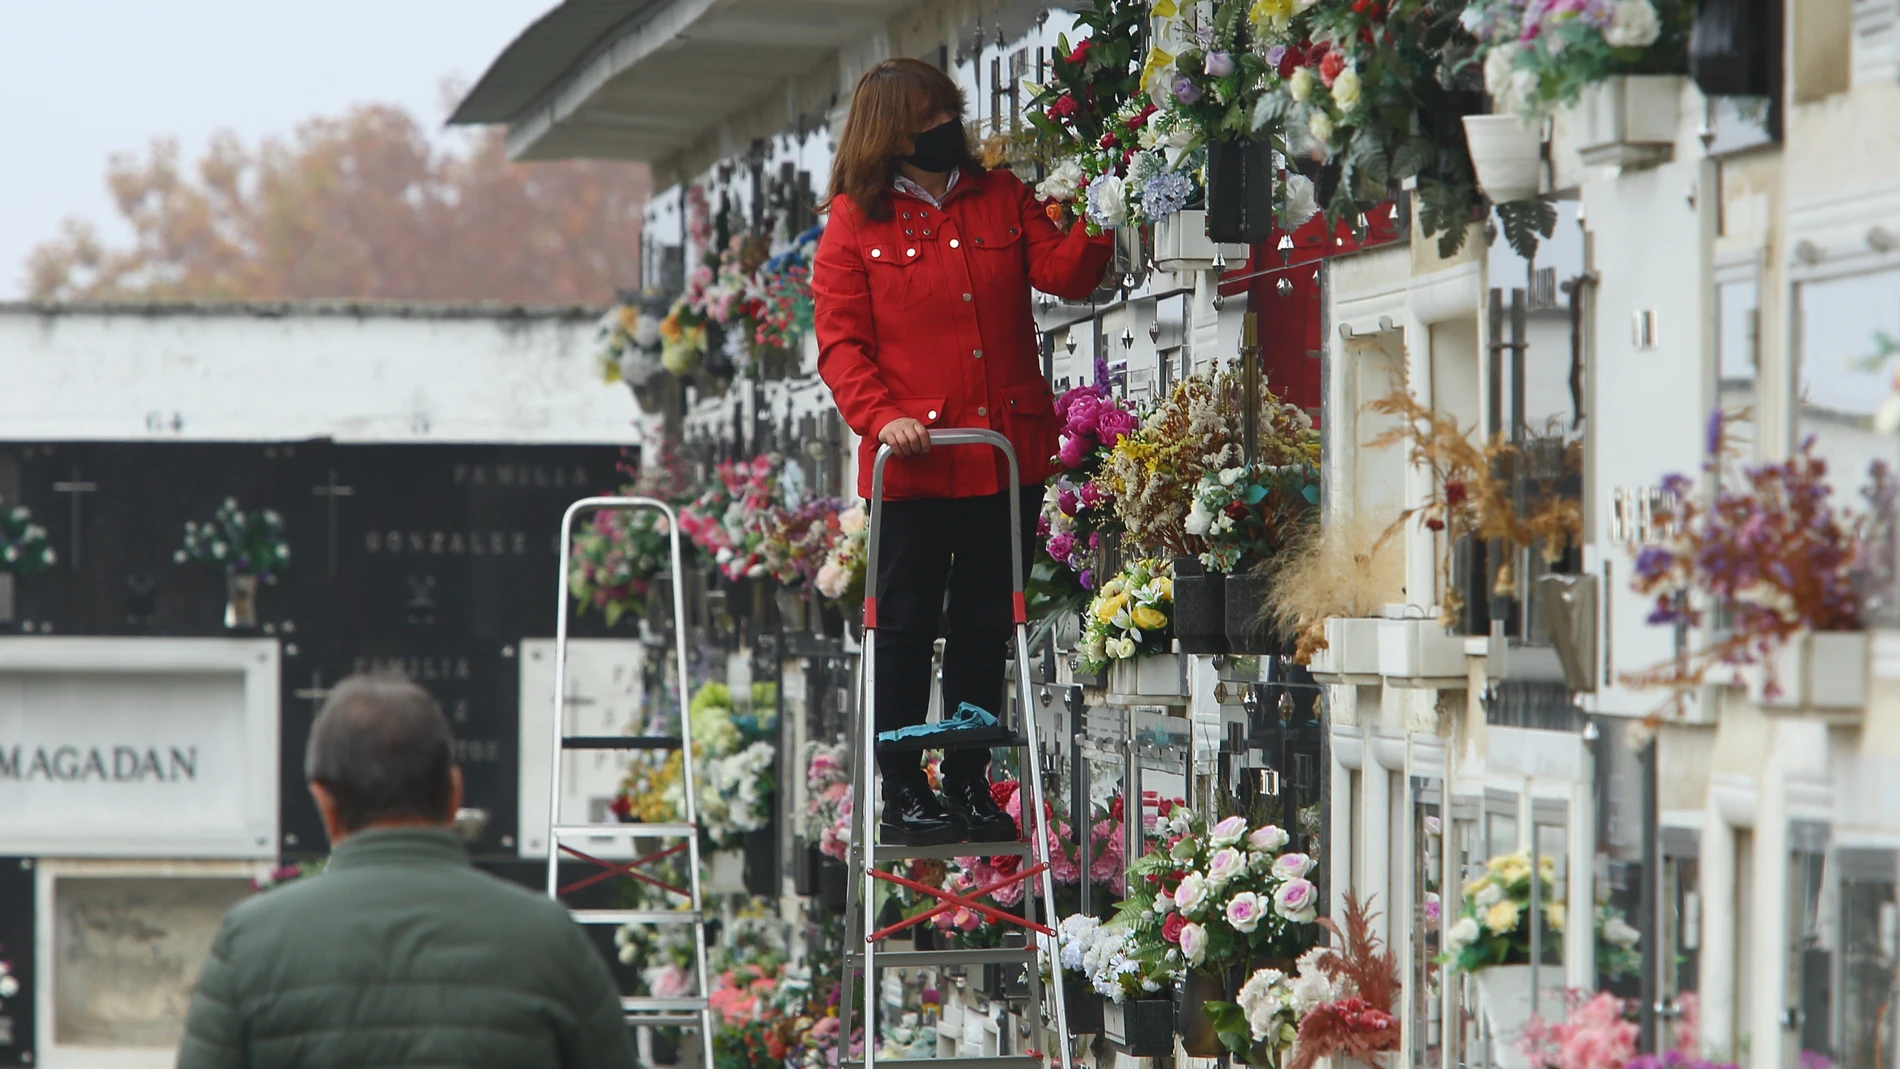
928	546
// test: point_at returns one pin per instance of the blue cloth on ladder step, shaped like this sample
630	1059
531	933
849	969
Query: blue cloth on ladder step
969	720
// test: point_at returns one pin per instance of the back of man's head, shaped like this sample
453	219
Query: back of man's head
383	751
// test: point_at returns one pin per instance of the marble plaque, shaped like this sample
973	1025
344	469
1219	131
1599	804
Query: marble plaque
126	955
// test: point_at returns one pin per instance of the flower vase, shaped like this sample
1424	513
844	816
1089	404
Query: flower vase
1198	1038
725	872
833	881
1239	191
792	610
1248	629
1200	613
761	862
1140	1028
1504	1006
807	861
1507	154
6	597
240	602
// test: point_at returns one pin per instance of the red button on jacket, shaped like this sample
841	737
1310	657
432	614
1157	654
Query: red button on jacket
926	314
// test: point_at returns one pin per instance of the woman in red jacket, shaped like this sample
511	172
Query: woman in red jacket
922	283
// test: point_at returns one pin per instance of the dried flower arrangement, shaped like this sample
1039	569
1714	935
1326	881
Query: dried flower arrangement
1153	473
1344	569
1473	493
1769	546
1361	1025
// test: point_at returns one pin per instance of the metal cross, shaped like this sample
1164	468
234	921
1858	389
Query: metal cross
315	693
332	490
75	487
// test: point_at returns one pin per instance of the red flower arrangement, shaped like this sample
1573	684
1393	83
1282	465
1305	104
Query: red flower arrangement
1363	1025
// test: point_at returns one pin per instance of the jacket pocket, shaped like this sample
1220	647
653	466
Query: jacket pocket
894	281
1032	425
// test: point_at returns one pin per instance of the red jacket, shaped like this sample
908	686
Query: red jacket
926	314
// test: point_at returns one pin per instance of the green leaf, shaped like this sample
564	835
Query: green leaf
613	611
1524	221
1311	494
1255	493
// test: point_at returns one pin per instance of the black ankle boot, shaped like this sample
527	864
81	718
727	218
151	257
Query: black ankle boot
968	799
914	817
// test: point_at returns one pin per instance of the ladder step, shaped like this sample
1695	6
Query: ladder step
620	742
948	850
658	831
635	916
991	737
665	1020
640	1003
908	959
1005	1061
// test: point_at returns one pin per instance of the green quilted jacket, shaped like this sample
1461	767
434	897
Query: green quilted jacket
403	954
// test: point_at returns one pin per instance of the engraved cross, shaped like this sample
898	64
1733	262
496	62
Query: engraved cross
75	487
333	490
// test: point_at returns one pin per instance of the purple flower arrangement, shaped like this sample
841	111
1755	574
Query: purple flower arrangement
1769	547
1078	512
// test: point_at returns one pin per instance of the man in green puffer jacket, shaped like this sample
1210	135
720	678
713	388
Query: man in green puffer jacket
400	953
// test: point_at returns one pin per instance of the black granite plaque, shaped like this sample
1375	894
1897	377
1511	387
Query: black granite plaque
476	682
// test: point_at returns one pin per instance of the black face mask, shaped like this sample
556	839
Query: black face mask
938	149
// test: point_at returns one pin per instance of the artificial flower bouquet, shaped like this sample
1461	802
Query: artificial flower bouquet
1217	73
1473	494
1132	614
1495	926
796	546
1542	54
1077	513
1338	1000
23	546
1245	513
628	340
828	805
1597	1032
1152	473
1770	548
840	578
783	294
730	519
614	559
733	762
238	542
1212	897
684	339
1078	119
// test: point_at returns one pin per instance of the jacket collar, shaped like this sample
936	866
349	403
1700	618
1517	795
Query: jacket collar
399	847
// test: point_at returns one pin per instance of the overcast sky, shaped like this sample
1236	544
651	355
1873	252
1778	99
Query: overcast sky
83	79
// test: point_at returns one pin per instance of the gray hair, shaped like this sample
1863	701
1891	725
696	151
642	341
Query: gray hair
383	750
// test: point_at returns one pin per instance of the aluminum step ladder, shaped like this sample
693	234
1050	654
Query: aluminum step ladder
1047	1015
689	1012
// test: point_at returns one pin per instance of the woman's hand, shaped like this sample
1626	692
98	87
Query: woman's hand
906	437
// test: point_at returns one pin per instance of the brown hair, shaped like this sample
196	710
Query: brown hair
891	100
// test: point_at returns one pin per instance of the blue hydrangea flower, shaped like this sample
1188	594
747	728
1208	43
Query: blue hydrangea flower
1165	194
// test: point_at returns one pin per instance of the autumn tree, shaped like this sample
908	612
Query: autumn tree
362	207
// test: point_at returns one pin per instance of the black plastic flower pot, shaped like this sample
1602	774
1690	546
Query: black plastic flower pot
806	861
1140	1028
1200	613
833	878
1249	629
666	1046
1084	1006
1239	191
1198	1038
761	862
